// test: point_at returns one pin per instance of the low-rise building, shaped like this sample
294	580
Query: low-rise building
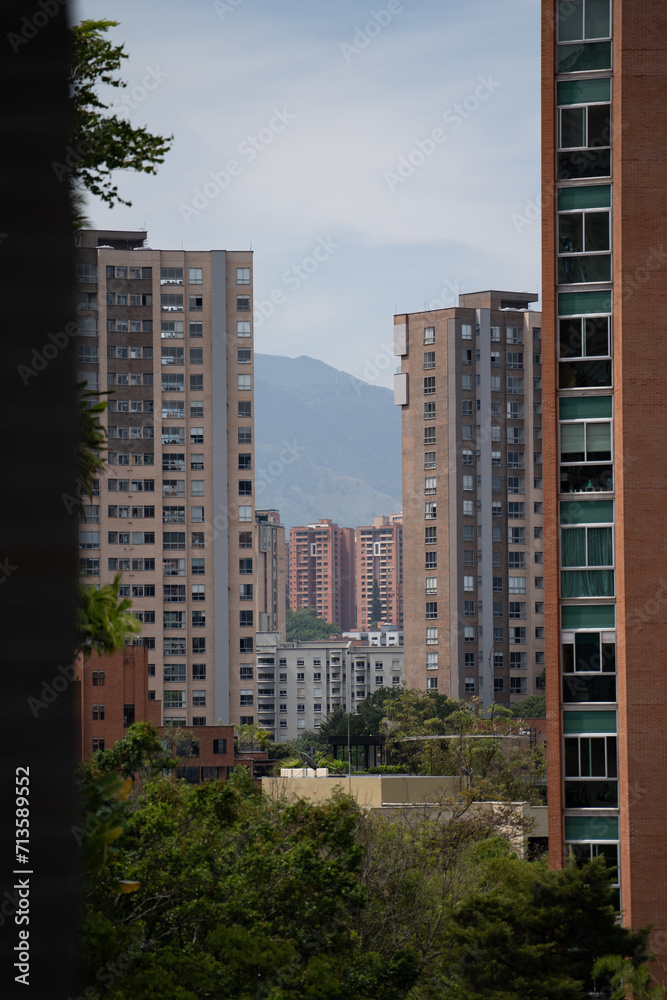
299	684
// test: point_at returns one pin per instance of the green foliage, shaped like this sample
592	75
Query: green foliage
103	141
240	897
304	626
533	707
105	619
141	750
251	738
92	438
536	934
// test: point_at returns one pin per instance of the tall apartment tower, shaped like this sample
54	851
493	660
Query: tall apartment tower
379	557
473	597
321	571
604	79
168	333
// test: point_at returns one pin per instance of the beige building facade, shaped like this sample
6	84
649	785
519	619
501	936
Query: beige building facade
168	334
473	589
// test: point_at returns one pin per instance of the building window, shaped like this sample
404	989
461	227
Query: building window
429	335
243	303
431	661
584	131
431	636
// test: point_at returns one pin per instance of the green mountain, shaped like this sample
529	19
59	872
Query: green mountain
326	443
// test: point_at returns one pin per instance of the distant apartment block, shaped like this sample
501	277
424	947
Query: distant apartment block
299	684
168	334
384	635
379	558
270	572
473	592
321	571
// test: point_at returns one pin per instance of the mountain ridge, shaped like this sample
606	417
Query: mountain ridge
327	444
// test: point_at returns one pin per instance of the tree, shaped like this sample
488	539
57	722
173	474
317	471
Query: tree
103	141
105	619
304	625
376	605
533	707
533	933
238	897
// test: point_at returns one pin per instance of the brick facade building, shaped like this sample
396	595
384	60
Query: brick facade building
605	470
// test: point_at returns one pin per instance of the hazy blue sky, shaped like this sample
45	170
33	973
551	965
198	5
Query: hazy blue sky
399	140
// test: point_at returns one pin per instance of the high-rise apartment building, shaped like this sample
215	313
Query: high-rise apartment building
604	80
168	334
379	559
321	571
473	577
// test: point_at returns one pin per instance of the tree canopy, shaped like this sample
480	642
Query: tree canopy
104	141
216	892
304	625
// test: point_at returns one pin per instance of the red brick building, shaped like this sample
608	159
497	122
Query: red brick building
604	200
321	571
379	556
113	693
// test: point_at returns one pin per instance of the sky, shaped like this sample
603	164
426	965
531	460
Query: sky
377	158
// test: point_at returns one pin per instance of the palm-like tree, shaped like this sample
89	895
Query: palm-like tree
105	619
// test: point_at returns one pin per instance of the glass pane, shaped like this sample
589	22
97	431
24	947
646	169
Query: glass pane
583	91
590	794
589	616
578	689
612	767
572	442
598	442
589	163
599	547
596	22
584	374
587	583
583	57
599	125
571	758
572	128
586	479
570	21
573	546
591	512
584	197
570	338
572	303
587	651
589	268
597	231
571	233
597	337
585	407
